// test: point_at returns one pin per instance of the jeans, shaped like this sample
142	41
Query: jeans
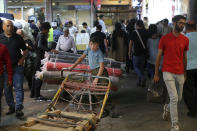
138	64
18	77
1	90
174	84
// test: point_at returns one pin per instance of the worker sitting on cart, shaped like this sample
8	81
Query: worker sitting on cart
95	60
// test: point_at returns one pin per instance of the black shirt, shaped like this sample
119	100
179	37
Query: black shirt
138	48
101	36
14	44
41	45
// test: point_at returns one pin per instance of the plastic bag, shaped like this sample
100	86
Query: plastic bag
157	92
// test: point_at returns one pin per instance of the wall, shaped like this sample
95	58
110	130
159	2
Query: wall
77	17
17	13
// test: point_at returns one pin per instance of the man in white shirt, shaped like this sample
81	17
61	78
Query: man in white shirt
66	42
72	30
102	23
88	30
94	28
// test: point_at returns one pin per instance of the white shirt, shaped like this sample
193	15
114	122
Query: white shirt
88	30
102	23
66	43
93	30
72	31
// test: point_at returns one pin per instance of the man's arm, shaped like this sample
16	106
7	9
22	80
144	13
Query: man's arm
100	72
21	61
101	69
106	46
157	64
130	48
185	63
78	61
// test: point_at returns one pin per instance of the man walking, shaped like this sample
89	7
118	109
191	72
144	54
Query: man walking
15	44
72	29
41	47
138	40
102	23
102	39
174	47
190	86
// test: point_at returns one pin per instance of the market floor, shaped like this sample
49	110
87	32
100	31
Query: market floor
136	114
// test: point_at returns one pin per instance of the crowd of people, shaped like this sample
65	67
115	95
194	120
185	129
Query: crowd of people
165	47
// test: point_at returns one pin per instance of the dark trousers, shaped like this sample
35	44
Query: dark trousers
102	82
29	80
190	91
36	83
1	90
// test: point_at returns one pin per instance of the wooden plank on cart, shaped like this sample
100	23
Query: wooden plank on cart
74	122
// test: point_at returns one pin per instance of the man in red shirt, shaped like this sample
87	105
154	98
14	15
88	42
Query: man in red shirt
174	48
4	59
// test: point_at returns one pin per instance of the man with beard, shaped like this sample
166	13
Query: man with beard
174	47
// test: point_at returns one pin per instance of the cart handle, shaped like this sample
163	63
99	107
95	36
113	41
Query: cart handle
75	69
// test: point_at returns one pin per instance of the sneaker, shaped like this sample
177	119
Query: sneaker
40	98
175	127
11	111
166	113
19	114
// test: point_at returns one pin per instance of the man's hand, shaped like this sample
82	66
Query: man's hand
21	62
95	81
70	68
54	51
9	83
156	78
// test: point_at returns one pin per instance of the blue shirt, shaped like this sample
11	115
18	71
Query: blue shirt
56	34
94	58
152	45
192	53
